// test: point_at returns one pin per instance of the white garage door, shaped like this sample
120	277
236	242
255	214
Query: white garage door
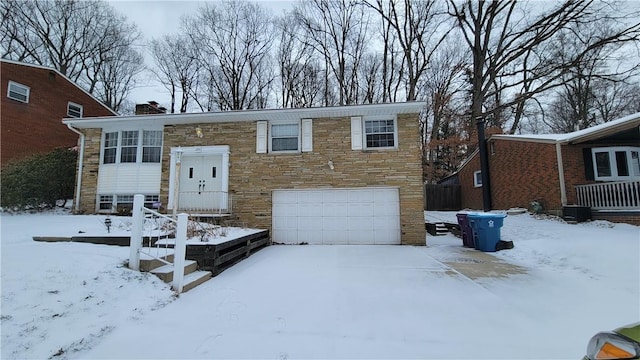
336	216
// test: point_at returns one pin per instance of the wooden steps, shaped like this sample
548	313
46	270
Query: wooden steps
192	276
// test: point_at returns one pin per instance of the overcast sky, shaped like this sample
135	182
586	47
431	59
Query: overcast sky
157	18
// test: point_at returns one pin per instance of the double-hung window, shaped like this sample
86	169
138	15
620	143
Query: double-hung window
151	146
74	110
616	163
285	137
18	92
110	145
379	133
129	149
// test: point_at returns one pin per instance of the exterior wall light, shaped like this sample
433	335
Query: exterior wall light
330	163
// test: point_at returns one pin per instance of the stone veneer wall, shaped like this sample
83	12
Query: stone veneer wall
252	176
90	170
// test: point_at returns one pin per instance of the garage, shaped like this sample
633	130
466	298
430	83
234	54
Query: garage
352	216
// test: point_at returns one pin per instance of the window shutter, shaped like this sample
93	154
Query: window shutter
588	164
356	133
261	137
307	135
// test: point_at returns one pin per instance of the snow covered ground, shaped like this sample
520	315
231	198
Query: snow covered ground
76	300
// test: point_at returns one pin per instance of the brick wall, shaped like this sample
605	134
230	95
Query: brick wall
36	127
470	196
520	173
252	176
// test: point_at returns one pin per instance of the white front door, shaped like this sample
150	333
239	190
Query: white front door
201	183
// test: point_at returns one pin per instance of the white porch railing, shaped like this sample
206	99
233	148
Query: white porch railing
623	195
139	213
216	202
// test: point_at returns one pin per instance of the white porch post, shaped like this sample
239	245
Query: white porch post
136	232
176	182
563	189
180	252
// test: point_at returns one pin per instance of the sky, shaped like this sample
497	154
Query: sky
543	299
157	18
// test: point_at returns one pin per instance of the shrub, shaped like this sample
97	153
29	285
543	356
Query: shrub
38	181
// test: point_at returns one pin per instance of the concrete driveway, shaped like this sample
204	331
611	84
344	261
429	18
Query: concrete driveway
327	302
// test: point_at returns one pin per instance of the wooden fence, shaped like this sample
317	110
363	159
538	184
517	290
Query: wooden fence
442	197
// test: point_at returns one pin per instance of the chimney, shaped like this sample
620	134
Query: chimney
150	107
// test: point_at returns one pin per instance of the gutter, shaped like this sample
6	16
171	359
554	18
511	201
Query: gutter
80	163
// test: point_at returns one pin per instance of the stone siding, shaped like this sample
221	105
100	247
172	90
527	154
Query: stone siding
253	177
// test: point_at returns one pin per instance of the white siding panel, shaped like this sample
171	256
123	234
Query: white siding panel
129	179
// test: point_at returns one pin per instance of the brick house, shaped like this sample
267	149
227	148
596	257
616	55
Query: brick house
34	101
335	175
598	167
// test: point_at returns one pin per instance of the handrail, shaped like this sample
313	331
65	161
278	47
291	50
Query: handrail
138	219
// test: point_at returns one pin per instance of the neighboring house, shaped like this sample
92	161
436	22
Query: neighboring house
34	101
598	167
335	175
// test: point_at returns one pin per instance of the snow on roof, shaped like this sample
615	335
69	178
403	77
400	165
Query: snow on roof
597	131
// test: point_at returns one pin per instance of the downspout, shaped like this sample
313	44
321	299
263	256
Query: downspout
80	163
563	190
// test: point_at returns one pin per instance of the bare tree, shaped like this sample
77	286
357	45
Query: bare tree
445	134
500	35
176	63
234	41
419	27
598	88
116	78
78	38
337	30
300	74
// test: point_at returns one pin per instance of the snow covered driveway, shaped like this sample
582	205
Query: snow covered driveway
78	301
321	302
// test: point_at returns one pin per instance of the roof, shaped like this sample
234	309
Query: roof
576	137
42	67
252	115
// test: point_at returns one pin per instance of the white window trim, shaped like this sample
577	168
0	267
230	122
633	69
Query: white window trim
139	148
114	202
284	122
69	104
25	87
381	117
477	175
612	161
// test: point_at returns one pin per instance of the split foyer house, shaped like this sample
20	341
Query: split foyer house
598	168
34	100
335	175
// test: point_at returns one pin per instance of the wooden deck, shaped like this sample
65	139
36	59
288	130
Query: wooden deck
210	257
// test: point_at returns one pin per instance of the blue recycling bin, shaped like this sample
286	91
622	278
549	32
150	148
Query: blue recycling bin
486	230
465	228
